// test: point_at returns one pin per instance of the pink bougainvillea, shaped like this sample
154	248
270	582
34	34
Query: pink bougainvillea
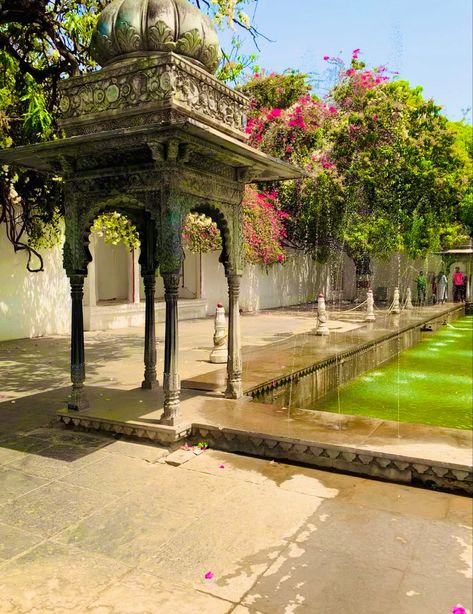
263	228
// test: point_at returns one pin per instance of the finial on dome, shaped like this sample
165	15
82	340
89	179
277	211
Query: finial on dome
137	27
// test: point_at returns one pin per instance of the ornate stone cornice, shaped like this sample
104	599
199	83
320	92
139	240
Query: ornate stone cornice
145	91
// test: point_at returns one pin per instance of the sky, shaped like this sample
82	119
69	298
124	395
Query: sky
428	41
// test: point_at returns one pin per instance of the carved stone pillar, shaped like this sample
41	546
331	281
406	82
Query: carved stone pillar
78	400
234	365
150	380
171	380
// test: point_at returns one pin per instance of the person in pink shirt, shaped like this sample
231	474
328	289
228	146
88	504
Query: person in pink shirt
458	285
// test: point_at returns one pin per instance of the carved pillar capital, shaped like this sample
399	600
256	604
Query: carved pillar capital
171	284
234	283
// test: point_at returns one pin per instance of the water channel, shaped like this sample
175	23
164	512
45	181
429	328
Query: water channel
430	383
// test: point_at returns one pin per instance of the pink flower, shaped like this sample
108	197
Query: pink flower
356	51
289	149
326	57
221	466
209	575
459	609
280	258
332	109
350	72
274	113
375	118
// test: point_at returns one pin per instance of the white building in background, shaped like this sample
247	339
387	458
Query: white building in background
38	304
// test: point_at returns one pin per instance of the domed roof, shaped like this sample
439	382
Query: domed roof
131	27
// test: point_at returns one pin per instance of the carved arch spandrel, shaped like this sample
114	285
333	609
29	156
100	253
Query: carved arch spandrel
175	205
79	220
222	216
229	220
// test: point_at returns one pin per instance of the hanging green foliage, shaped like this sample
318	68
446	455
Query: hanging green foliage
115	228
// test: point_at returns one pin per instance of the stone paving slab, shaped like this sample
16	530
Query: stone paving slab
276	537
141	592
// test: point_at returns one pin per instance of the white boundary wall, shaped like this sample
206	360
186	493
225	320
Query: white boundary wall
32	304
386	274
297	281
38	304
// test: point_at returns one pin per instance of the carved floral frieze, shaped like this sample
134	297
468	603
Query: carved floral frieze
148	85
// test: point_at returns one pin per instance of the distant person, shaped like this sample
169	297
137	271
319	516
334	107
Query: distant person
458	285
434	289
465	282
421	284
442	288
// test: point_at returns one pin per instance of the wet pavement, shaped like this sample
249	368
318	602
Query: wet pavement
292	353
90	524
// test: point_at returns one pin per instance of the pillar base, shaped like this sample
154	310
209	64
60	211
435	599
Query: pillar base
234	390
149	385
171	421
79	405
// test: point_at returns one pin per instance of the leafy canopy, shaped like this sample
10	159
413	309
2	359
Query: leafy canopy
386	170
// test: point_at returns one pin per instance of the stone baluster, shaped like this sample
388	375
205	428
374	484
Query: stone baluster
370	317
322	326
396	306
78	400
408	304
219	353
150	380
234	365
171	380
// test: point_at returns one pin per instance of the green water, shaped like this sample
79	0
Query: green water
429	384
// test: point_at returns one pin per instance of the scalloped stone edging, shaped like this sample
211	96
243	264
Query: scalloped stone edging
365	462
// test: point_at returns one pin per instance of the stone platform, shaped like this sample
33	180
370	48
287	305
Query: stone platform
383	449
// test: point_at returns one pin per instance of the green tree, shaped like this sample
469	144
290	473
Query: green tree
42	42
385	170
464	147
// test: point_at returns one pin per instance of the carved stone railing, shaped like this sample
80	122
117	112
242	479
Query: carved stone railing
158	88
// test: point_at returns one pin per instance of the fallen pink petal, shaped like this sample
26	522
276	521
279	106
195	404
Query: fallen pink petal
209	575
221	466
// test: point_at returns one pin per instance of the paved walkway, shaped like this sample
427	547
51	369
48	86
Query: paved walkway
90	524
93	524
